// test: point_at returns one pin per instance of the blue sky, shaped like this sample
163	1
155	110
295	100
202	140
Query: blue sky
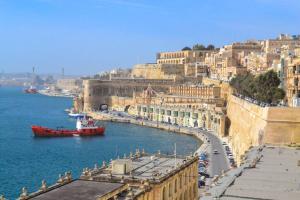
89	36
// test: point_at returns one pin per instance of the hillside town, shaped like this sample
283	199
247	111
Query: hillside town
241	100
245	93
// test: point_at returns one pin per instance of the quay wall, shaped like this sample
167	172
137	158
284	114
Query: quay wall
252	125
204	147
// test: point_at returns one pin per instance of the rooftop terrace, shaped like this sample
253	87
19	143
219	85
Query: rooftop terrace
275	176
269	173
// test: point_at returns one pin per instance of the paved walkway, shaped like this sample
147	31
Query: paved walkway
217	162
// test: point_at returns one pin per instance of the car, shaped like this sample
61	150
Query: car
204	174
201	165
201	183
202	169
216	151
224	143
202	158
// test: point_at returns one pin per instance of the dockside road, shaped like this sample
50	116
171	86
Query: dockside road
218	163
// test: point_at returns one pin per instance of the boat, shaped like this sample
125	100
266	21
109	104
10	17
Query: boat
31	90
84	127
76	115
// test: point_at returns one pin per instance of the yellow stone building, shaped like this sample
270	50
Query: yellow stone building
185	106
274	45
69	84
258	63
203	91
157	71
182	57
228	61
293	83
139	176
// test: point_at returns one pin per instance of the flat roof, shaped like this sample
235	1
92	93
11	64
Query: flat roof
148	167
276	176
79	189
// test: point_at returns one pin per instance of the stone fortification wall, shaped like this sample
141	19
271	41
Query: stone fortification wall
97	92
251	125
158	71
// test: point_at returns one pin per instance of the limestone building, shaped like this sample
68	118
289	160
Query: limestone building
228	61
138	176
69	84
182	57
259	62
274	45
118	91
293	83
157	71
203	91
187	106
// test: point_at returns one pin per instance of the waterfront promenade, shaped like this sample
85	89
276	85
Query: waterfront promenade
218	162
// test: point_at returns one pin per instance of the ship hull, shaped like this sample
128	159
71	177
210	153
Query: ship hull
40	131
30	91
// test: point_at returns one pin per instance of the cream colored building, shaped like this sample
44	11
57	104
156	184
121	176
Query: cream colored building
259	62
227	63
293	83
158	71
139	176
203	115
182	57
275	45
69	84
203	91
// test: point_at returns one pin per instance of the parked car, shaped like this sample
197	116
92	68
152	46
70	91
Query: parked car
204	174
201	164
201	183
202	169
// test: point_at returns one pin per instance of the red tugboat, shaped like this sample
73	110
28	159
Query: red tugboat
84	128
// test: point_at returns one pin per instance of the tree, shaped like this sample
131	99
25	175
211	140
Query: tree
202	47
199	47
263	88
210	47
186	49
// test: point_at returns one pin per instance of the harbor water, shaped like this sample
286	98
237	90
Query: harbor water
26	160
